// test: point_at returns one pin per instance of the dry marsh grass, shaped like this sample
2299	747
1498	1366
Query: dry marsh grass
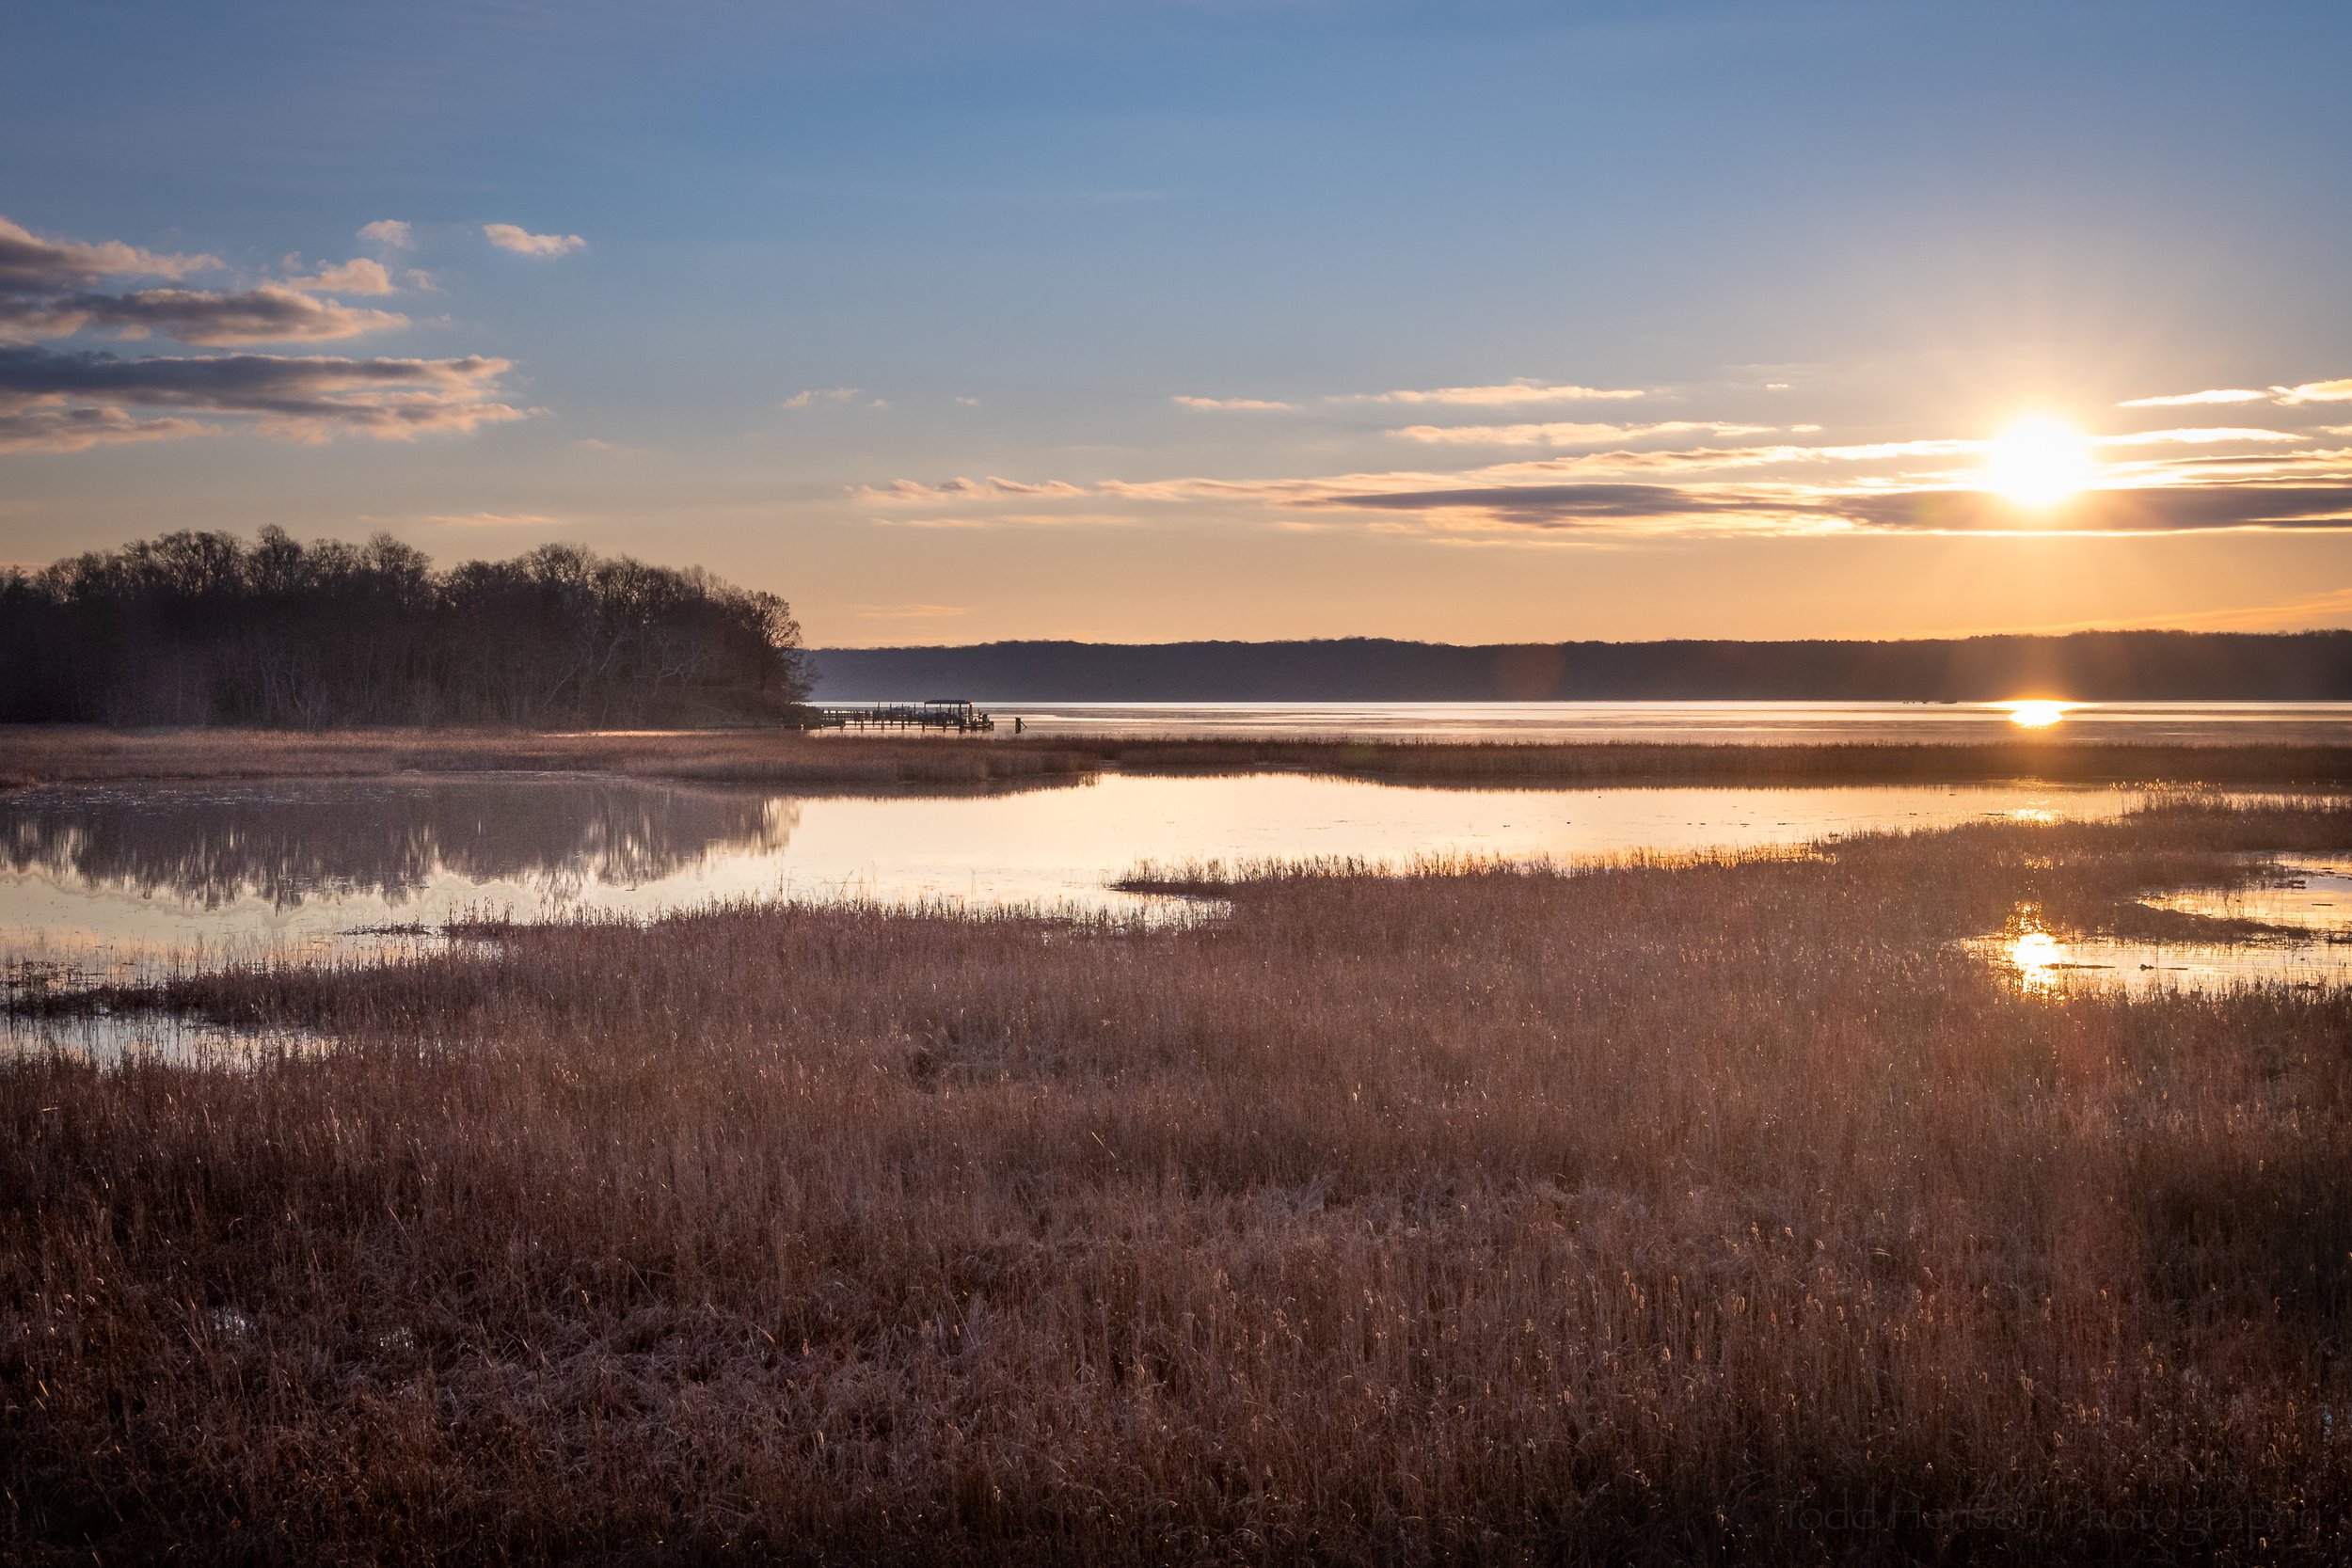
789	759
1629	1214
783	758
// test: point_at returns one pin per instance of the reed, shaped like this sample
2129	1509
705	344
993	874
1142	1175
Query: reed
791	759
1614	1213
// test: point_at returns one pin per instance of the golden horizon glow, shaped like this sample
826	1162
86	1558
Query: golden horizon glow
2040	461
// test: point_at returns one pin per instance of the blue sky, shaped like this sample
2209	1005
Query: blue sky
891	308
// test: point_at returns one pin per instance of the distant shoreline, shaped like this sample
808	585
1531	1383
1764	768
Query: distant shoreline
2098	666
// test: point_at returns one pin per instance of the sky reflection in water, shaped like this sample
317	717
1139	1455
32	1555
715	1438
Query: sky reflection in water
107	879
2315	902
121	883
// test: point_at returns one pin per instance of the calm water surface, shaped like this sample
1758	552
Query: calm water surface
125	882
1750	724
2313	908
106	879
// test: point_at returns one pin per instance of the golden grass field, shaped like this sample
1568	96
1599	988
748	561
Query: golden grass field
1649	1212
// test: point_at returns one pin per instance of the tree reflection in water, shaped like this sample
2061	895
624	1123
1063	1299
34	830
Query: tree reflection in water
285	843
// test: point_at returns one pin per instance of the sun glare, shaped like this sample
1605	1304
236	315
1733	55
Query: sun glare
2039	461
2034	715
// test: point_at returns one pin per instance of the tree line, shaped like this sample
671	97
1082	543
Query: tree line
207	628
2092	666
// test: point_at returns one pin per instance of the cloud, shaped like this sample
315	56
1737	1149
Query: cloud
1250	406
51	289
1503	395
1561	435
2199	435
1013	519
1641	508
2151	509
43	427
506	236
272	313
494	519
32	265
910	612
2309	392
300	399
815	396
1665	509
2174	480
66	402
392	233
2178	400
358	275
916	492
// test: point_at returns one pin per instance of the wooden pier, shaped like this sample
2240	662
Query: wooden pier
935	713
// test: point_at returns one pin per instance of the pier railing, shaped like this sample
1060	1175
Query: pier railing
937	713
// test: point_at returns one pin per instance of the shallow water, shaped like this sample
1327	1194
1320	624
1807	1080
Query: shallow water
1751	724
115	882
2314	904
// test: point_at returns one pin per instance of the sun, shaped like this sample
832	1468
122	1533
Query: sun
2039	461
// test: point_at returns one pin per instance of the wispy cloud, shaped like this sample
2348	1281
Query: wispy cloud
522	242
815	396
1643	510
909	491
2309	392
1247	406
392	232
1503	394
1622	495
32	265
2183	400
1563	435
2316	392
66	400
49	396
910	612
26	426
54	289
493	519
2199	435
358	276
271	313
1012	519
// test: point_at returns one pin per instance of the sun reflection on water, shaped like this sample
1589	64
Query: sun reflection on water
2036	954
2037	714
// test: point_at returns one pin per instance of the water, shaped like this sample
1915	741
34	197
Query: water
2314	905
115	882
1747	724
129	884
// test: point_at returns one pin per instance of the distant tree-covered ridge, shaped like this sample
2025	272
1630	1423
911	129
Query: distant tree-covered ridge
2094	666
206	629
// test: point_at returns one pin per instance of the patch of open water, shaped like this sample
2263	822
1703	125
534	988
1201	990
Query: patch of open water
2312	905
127	883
